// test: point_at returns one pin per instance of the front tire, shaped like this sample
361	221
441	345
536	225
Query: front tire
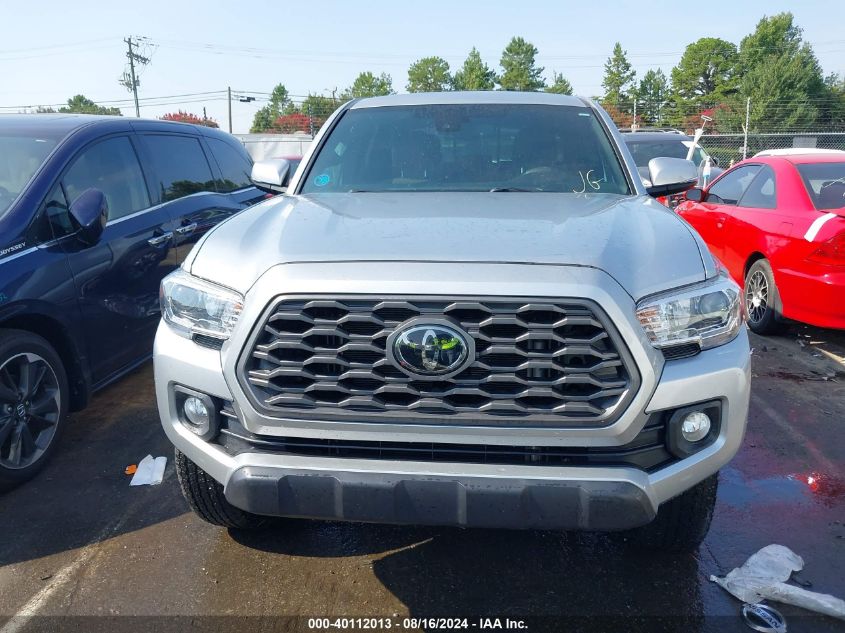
761	298
205	496
681	523
33	405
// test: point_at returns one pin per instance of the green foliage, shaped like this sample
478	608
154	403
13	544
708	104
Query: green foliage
520	69
560	85
618	76
279	97
474	74
81	104
784	91
707	70
776	35
319	107
280	103
834	113
369	85
262	121
781	75
652	96
429	74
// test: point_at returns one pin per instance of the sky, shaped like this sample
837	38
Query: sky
50	51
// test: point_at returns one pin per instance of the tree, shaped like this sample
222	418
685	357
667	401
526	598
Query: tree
835	113
775	35
707	71
83	105
429	74
187	117
474	74
560	85
280	103
520	70
369	85
319	108
782	76
292	122
618	77
652	96
620	118
785	93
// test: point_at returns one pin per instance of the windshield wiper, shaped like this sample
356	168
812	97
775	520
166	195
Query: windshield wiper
512	190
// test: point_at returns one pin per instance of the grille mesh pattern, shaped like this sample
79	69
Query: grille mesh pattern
556	362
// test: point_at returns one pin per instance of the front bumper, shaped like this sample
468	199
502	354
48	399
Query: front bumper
558	501
467	495
599	497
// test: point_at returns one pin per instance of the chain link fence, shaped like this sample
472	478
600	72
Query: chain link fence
730	148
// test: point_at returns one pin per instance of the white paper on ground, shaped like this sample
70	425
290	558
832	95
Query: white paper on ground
764	576
150	471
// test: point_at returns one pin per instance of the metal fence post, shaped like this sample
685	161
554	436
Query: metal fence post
747	123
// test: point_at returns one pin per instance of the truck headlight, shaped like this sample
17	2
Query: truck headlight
709	314
194	306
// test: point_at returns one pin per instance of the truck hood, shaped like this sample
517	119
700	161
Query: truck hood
640	243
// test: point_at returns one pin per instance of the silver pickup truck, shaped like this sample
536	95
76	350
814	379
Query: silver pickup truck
466	310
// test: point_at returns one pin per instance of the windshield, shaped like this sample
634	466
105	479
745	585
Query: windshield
20	157
644	151
472	147
825	182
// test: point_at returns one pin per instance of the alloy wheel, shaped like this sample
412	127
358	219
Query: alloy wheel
30	406
756	296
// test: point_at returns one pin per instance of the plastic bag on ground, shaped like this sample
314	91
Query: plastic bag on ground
764	576
150	471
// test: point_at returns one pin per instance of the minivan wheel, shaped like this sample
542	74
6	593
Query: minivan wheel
761	296
33	405
205	496
681	523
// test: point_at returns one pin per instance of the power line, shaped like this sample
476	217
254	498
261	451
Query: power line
146	101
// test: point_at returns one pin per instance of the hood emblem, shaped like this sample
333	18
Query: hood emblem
430	348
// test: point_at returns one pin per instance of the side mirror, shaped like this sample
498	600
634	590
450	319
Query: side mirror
695	195
669	176
271	175
90	212
714	160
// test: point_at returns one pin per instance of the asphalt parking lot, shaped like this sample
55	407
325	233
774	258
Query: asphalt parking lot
79	542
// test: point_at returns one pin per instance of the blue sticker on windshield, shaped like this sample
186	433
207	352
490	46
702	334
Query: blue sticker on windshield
322	180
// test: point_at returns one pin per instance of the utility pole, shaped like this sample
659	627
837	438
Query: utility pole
131	81
229	89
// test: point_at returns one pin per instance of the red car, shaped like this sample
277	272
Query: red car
777	223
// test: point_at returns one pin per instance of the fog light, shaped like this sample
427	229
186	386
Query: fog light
196	414
696	426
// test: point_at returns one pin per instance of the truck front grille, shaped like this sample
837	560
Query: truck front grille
539	362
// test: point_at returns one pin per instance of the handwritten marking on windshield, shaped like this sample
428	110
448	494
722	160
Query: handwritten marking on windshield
585	180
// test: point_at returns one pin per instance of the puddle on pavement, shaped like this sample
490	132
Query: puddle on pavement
802	488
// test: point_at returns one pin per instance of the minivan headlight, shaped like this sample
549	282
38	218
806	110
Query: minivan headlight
194	306
709	314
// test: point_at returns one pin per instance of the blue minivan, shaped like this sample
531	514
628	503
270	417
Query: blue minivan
94	211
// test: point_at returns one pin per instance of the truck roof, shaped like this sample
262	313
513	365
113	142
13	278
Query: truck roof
479	97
